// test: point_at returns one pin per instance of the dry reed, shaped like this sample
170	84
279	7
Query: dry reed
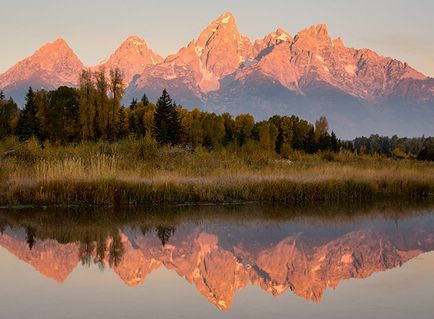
135	173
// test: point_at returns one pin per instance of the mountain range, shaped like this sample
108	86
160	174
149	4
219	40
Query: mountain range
309	74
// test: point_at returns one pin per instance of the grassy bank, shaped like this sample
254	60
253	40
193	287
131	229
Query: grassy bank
135	173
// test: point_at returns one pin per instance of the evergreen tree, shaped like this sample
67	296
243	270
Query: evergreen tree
144	99
133	104
61	121
334	143
164	233
2	95
310	142
28	123
30	237
427	153
167	126
123	128
325	142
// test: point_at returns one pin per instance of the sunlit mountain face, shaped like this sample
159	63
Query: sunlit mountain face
219	253
309	74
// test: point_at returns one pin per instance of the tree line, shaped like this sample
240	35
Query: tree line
421	148
94	111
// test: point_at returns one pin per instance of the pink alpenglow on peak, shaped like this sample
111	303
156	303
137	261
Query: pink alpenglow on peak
270	40
51	66
196	70
131	58
309	75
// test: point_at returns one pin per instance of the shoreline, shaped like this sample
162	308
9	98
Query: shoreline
115	192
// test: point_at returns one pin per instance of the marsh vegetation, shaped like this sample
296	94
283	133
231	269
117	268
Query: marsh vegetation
140	172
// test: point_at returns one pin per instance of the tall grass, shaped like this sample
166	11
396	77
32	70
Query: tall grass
137	172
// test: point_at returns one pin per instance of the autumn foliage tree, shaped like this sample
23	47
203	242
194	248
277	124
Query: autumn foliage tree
267	136
100	110
243	127
87	105
116	88
9	115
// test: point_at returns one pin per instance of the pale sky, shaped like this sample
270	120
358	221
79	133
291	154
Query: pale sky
401	29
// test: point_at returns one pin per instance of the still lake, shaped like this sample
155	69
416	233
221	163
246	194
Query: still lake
218	262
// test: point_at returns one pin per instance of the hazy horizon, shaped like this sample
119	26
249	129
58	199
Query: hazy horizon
94	30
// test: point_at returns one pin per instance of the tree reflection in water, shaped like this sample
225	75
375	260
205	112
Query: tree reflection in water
222	249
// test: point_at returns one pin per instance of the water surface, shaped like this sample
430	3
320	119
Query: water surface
217	262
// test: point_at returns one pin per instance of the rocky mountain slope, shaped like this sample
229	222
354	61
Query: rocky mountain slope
53	65
131	58
309	74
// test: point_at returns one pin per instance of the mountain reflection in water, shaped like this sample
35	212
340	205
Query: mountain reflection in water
221	250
